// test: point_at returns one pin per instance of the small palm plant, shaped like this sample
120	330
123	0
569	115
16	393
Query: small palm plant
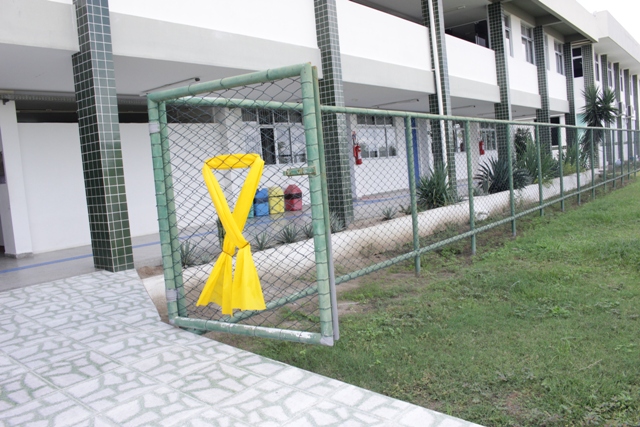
529	161
599	111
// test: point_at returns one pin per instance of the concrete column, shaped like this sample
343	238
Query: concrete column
503	108
542	114
337	144
14	210
442	144
100	138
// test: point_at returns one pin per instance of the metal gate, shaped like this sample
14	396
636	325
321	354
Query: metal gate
274	114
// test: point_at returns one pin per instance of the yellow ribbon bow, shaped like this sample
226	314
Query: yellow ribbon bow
244	291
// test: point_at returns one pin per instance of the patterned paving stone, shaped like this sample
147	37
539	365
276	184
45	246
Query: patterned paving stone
82	366
22	388
162	406
54	410
92	351
112	388
172	364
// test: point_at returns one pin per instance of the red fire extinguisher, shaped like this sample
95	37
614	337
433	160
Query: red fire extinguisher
481	147
356	148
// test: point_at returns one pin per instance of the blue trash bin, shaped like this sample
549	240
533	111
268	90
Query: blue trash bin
261	203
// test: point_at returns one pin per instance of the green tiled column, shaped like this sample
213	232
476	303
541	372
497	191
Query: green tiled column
627	102
442	141
337	145
618	89
570	117
604	61
542	114
503	108
100	138
636	139
588	66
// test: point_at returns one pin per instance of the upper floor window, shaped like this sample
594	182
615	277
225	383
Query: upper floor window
596	65
507	32
527	44
576	54
559	57
621	80
611	82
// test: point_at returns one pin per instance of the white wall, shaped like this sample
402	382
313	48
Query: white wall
383	50
54	184
474	63
289	21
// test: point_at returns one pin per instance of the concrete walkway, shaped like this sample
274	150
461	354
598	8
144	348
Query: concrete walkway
91	351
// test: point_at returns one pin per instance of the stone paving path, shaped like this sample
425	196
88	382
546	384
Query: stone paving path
91	351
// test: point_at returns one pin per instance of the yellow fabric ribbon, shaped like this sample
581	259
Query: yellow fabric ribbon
244	291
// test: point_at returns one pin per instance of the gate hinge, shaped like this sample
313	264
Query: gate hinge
309	170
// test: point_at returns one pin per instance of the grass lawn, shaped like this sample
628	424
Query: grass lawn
542	330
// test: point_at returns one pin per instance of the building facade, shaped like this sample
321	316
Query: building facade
74	74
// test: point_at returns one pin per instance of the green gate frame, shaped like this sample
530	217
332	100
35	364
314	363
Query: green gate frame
169	233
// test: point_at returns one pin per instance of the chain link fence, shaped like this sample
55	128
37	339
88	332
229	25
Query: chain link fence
345	191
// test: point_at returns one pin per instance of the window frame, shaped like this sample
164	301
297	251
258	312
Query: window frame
364	122
526	36
558	48
506	22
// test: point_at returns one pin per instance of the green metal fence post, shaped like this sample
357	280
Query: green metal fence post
604	161
325	206
613	161
539	160
317	212
593	166
578	154
408	137
561	167
472	216
163	215
174	233
512	199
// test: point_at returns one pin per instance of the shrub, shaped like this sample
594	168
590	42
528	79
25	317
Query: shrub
388	213
493	176
289	234
529	162
336	223
435	190
307	231
262	241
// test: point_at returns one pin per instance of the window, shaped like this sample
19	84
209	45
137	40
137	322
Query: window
488	135
621	81
507	32
559	57
610	74
576	54
281	135
376	136
527	44
596	64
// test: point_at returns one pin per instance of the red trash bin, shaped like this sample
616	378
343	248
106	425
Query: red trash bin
293	198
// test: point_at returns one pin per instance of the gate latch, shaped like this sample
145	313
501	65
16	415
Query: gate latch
309	170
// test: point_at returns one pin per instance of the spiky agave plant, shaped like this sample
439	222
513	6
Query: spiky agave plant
493	176
435	190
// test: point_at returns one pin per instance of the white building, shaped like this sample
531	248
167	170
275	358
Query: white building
516	59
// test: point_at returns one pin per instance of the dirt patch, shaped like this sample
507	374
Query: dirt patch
146	272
